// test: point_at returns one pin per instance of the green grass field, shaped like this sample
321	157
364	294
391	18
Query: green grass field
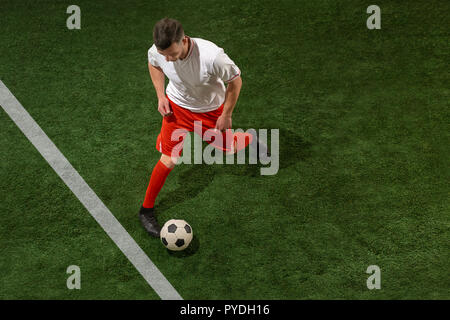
364	147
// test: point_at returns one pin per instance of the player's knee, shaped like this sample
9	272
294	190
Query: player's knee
168	161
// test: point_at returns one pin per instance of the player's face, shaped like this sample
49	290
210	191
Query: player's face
174	52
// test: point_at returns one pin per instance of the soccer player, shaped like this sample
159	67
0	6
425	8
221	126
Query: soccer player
197	70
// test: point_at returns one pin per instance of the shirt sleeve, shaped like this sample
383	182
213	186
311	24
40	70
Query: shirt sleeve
225	68
152	59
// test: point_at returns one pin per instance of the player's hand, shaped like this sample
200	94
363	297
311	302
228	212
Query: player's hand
164	107
223	123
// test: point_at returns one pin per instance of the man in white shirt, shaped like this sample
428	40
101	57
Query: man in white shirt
197	70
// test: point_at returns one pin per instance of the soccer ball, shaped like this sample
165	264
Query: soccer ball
176	234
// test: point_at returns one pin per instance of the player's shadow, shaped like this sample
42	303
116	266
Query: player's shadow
189	251
292	148
192	181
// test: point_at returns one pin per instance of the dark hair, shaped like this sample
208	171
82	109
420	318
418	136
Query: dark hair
166	31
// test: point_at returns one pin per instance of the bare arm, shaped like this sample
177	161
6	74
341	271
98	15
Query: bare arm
159	82
231	96
158	79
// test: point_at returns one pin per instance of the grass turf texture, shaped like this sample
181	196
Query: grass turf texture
363	118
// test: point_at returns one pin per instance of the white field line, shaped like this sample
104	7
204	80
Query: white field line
86	195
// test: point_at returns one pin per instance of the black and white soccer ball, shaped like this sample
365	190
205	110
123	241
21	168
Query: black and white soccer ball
176	234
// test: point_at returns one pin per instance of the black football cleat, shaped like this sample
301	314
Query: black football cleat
148	220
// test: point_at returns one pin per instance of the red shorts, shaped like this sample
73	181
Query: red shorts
176	126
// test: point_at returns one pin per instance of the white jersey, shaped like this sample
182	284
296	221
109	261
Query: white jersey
197	82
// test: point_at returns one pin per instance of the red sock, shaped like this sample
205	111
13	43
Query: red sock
159	175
